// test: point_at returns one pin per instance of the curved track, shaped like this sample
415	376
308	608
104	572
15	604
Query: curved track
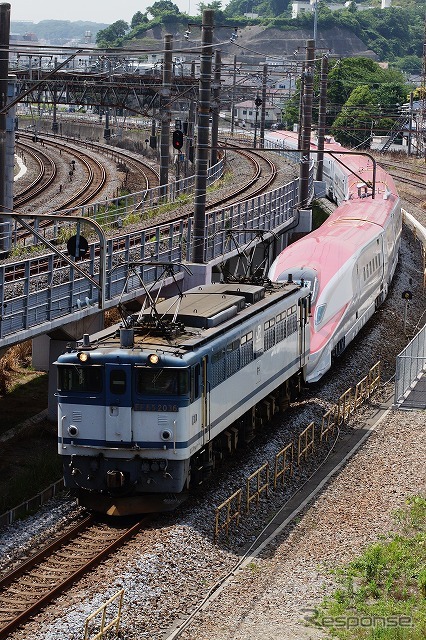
95	171
260	181
96	177
47	171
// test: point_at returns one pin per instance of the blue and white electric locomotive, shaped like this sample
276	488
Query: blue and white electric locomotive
144	412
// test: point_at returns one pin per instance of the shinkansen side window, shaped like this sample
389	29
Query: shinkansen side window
80	379
117	382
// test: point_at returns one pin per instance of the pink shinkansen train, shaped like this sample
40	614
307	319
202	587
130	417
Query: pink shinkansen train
348	263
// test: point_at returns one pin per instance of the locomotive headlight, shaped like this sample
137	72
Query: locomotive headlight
166	435
153	358
83	356
72	430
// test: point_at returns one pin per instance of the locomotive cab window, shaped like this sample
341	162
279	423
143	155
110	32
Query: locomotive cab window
160	382
80	379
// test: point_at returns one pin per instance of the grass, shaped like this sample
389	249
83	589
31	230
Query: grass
382	594
27	397
318	215
29	461
39	467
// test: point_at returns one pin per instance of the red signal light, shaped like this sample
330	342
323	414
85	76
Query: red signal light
177	140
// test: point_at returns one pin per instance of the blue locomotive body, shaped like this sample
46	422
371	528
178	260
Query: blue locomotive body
145	412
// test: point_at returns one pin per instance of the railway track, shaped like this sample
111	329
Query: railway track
96	173
46	175
405	177
33	584
254	186
95	178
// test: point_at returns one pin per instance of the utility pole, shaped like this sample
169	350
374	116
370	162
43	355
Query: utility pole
165	113
257	103
55	125
202	156
410	125
189	143
301	99
216	106
234	82
322	116
263	110
307	123
4	71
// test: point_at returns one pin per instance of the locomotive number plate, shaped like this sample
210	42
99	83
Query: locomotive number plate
154	406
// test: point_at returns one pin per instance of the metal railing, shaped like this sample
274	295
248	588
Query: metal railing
105	624
292	457
32	504
227	513
41	291
131	208
410	365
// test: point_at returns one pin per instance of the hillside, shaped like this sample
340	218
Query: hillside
263	40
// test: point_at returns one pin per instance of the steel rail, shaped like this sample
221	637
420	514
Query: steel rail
49	592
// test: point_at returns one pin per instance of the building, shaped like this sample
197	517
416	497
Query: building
245	113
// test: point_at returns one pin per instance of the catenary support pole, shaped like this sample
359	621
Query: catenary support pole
307	124
234	82
165	113
263	108
190	140
4	71
322	116
216	106
202	156
301	99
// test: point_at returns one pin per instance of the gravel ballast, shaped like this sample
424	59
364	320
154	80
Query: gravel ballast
167	570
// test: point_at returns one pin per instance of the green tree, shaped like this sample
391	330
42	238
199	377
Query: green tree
353	126
409	64
163	7
216	6
237	8
138	18
110	35
348	73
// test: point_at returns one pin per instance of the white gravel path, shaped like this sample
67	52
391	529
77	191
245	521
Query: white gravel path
271	599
